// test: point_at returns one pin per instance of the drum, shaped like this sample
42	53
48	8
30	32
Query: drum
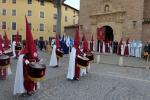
8	52
90	56
4	61
36	71
82	61
59	53
18	47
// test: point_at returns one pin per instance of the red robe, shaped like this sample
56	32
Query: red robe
77	69
126	51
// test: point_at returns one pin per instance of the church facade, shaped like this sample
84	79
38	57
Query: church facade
119	18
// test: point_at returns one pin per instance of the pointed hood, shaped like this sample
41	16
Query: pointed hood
30	46
77	39
85	44
57	42
17	38
6	41
1	41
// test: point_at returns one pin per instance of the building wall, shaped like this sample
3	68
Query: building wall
124	16
146	23
22	8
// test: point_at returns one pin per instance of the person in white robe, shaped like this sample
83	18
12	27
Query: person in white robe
13	48
71	67
103	47
19	85
122	49
53	58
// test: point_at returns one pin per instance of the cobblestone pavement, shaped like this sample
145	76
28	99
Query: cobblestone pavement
103	82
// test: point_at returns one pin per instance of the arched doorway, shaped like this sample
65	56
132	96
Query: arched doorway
104	33
108	31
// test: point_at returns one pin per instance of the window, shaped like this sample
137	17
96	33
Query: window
55	16
30	24
106	9
74	11
3	1
13	12
29	13
65	18
3	11
41	27
66	8
74	21
134	23
3	25
54	28
14	1
41	14
42	2
13	25
29	1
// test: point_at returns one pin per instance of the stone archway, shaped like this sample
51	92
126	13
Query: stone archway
108	34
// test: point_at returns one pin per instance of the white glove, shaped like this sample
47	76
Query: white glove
84	54
27	62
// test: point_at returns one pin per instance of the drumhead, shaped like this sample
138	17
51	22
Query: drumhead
84	58
4	56
59	50
37	65
7	51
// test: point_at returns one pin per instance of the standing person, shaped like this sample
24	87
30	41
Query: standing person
54	60
23	84
4	71
13	48
73	69
126	51
115	45
18	45
92	43
119	47
86	52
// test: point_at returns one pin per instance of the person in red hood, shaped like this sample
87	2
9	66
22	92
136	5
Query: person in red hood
74	69
2	71
24	84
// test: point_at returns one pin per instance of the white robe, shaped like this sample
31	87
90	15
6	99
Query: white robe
122	49
132	49
103	47
71	67
140	50
53	59
13	48
9	72
129	49
19	86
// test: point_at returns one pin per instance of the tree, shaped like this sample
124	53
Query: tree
58	4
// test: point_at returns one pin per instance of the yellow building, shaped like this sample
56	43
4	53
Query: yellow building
41	15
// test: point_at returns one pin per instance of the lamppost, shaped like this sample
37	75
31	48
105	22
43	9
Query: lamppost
58	4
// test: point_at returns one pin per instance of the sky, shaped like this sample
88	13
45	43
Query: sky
73	3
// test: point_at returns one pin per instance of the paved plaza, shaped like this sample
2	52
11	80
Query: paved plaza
103	82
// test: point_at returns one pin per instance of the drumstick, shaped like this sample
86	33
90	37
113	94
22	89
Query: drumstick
41	60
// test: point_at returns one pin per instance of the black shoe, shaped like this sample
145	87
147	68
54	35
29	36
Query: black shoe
55	66
30	93
24	95
76	79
